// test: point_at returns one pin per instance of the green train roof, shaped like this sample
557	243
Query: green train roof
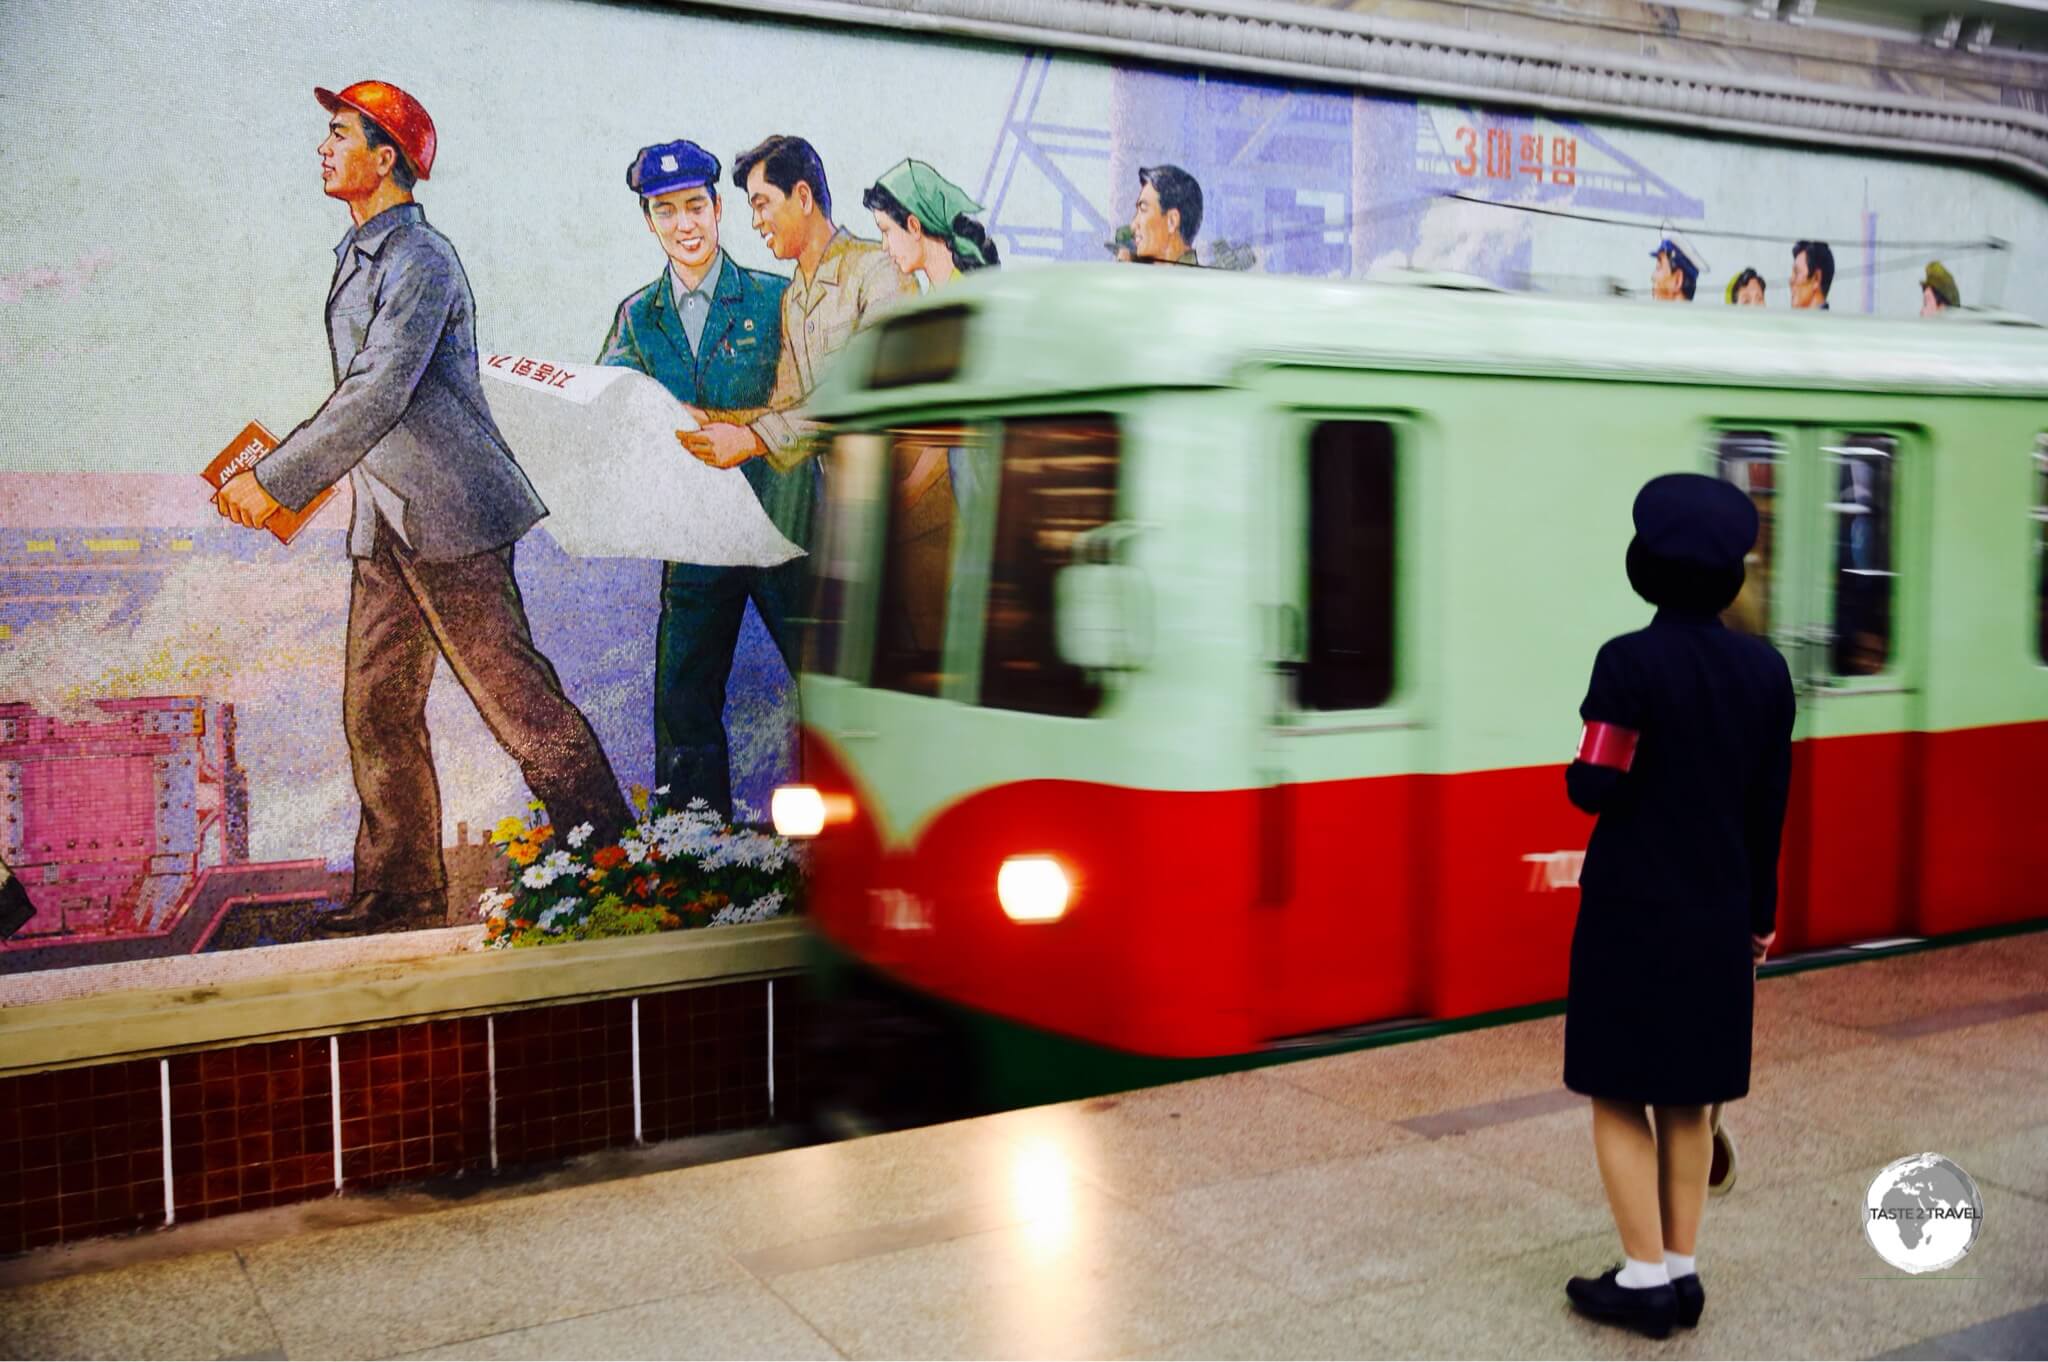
1092	328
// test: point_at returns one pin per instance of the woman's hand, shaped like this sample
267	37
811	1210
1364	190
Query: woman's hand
1760	946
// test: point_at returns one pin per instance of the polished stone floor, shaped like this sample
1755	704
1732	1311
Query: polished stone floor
1426	1199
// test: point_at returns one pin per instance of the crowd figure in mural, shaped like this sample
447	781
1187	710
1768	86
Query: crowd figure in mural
1165	218
1938	291
1813	274
1746	289
1675	278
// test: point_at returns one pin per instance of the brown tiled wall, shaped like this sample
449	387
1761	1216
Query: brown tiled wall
792	1028
81	1154
565	1080
81	1150
415	1101
250	1127
704	1059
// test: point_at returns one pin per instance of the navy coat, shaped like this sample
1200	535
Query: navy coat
1683	863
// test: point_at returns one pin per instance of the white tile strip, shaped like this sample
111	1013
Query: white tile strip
491	1069
334	1093
163	1072
638	1127
771	1049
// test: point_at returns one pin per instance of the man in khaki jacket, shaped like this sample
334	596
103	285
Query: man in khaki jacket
841	282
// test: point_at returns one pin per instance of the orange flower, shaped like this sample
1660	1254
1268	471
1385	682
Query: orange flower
522	853
669	891
541	833
607	857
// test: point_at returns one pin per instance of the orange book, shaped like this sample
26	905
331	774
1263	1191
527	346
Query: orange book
242	454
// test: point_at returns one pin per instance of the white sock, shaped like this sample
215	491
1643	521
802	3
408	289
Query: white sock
1635	1273
1680	1265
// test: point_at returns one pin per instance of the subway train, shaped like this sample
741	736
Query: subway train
1197	656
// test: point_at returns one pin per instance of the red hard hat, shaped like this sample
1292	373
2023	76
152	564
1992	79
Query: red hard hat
395	111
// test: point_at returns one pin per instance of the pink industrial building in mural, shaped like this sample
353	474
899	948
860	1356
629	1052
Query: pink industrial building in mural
109	821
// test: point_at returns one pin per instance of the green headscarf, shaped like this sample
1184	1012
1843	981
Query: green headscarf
934	201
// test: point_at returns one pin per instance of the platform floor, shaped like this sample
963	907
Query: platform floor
1426	1199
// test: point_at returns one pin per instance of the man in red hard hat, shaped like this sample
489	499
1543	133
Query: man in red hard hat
439	504
395	118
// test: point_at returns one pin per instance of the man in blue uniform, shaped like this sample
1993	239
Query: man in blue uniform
710	332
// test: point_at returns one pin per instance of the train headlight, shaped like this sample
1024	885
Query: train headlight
798	811
1033	889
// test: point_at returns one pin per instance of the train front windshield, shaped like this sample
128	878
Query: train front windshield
938	544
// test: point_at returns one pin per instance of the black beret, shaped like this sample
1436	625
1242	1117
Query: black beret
1695	519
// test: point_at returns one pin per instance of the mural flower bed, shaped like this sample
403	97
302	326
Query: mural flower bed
671	870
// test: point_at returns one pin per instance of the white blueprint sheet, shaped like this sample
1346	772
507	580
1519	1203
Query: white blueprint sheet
599	444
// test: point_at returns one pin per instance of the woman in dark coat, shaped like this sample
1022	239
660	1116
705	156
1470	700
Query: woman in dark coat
1686	758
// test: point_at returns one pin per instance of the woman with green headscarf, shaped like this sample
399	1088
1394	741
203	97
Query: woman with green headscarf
927	224
929	230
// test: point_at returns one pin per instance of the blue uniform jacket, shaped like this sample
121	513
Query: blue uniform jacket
733	366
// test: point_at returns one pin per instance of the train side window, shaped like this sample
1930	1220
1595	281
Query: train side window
2041	547
1059	481
917	557
1350	653
1751	459
1864	476
840	573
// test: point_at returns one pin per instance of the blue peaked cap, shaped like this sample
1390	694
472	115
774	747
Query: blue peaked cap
1692	518
1680	261
669	166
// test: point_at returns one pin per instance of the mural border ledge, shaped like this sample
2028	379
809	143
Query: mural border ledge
1428	61
146	1023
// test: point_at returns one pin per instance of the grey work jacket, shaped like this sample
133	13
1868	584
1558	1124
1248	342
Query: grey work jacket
408	406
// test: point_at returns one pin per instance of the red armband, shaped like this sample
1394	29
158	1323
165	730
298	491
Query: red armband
1607	745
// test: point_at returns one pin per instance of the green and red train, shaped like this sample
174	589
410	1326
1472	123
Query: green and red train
1242	635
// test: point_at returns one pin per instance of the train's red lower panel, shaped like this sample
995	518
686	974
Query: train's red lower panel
1982	856
1208	923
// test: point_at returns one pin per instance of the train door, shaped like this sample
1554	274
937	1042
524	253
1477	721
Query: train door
1336	922
1825	587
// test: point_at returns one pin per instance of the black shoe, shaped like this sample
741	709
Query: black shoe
1649	1310
1692	1298
379	911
